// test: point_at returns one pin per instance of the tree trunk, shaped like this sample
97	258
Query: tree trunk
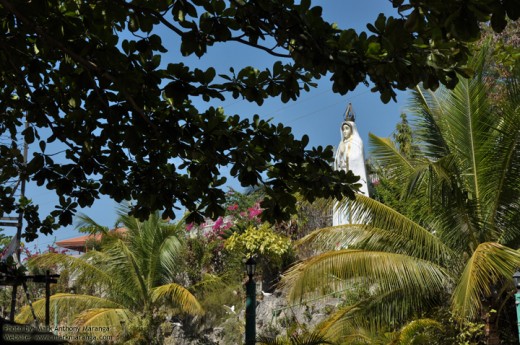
492	335
491	327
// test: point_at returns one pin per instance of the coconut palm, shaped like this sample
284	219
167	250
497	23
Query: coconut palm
464	249
134	274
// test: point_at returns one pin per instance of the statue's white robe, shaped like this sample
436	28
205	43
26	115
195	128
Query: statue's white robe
350	156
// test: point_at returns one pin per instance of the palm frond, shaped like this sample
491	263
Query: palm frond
490	264
426	105
382	223
502	174
412	331
431	178
62	304
305	338
467	128
169	257
124	265
366	237
341	322
213	282
156	245
102	318
389	270
462	118
267	340
86	265
313	338
384	151
457	223
372	315
178	295
86	224
169	261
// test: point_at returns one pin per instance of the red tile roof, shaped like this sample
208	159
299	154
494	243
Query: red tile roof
80	243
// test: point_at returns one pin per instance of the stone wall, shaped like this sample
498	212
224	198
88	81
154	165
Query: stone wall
273	317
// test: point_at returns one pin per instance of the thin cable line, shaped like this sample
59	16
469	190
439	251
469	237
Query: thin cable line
326	107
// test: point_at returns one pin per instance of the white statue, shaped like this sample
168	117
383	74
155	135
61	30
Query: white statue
349	156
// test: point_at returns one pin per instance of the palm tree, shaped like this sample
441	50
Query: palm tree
135	275
464	249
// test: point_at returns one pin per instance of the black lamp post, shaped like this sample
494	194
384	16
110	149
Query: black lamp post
516	279
250	302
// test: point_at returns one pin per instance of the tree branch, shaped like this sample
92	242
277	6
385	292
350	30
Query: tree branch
181	33
268	50
81	60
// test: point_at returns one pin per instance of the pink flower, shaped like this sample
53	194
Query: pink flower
233	207
254	211
218	223
189	227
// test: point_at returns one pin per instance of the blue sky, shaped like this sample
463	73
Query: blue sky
317	113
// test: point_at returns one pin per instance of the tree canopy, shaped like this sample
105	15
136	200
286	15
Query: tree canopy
106	116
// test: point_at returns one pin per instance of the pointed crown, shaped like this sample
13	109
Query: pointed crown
349	113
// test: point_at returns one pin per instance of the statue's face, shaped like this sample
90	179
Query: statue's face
346	130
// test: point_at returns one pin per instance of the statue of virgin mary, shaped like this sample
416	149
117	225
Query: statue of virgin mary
349	156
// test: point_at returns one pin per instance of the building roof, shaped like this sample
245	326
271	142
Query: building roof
80	243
